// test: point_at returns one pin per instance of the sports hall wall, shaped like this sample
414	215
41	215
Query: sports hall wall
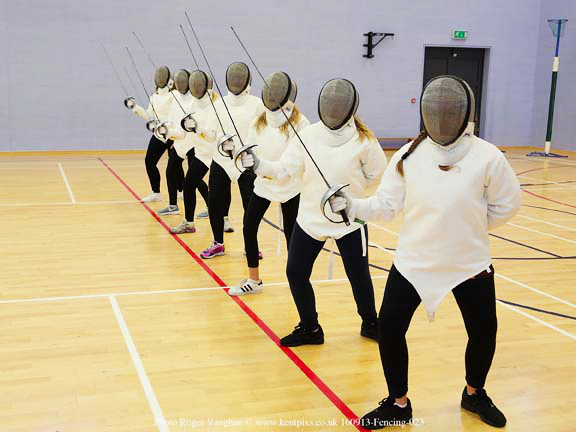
61	94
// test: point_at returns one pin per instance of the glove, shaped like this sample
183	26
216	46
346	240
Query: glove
161	131
129	103
189	124
340	201
250	160
228	146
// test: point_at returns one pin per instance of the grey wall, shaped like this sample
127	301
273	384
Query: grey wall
61	93
564	132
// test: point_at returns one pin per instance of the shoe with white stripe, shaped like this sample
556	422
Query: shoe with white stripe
170	210
247	286
153	197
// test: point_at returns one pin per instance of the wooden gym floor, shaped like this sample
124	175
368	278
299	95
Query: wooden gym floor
109	323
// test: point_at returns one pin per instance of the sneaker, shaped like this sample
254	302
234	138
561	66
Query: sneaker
184	228
369	330
479	403
181	195
302	336
153	197
203	215
247	286
387	414
169	210
215	249
228	228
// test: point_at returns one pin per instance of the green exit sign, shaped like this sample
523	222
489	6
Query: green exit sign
460	35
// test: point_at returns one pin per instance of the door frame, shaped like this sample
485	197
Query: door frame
483	130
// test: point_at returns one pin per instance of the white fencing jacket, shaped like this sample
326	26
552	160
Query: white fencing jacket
343	157
447	214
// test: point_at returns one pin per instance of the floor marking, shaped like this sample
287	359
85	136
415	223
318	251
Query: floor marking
516	282
72	198
538	320
159	419
155	292
542	233
306	370
545	222
66	203
548	199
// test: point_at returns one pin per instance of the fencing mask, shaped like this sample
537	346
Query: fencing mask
337	103
200	82
181	81
162	77
279	89
238	77
446	106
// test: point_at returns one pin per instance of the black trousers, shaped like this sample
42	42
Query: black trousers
220	196
301	257
174	174
254	215
192	182
156	149
476	299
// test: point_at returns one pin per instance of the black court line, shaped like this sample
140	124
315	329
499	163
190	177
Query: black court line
273	225
538	309
549	209
526	246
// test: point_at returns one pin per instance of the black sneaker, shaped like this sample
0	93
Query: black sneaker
369	330
482	405
303	336
387	414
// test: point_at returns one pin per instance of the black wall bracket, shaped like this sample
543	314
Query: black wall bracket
371	44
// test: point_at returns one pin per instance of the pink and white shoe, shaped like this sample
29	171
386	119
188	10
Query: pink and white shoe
215	249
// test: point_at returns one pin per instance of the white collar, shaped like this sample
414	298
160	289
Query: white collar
204	100
163	90
343	135
276	118
238	100
452	154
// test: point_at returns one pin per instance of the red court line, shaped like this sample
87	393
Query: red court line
310	374
548	199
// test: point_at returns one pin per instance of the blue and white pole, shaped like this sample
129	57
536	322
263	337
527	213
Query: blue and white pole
556	26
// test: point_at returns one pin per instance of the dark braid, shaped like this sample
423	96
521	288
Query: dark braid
415	143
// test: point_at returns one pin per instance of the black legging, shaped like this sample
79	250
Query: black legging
476	299
174	174
220	196
301	256
156	149
254	215
196	172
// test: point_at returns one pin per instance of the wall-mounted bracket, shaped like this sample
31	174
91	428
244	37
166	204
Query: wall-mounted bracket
371	44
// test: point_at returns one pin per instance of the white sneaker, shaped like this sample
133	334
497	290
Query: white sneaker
203	215
228	228
247	286
169	210
181	195
153	197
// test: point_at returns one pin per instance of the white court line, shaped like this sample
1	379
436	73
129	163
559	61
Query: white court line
535	290
545	222
515	282
159	419
382	248
538	320
542	233
67	203
72	198
546	181
181	290
383	229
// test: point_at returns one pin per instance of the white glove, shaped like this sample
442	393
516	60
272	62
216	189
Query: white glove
189	123
228	146
129	103
250	160
340	201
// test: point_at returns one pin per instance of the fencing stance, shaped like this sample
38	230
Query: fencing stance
198	142
161	101
347	153
271	133
452	187
244	109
